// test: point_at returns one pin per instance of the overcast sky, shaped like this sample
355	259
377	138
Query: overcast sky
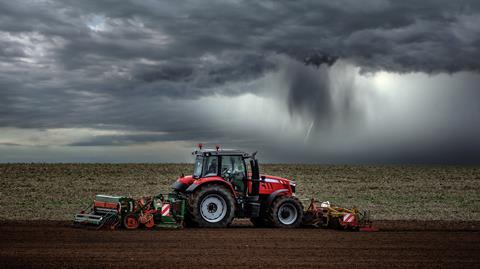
341	81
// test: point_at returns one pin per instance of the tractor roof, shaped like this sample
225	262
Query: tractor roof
220	152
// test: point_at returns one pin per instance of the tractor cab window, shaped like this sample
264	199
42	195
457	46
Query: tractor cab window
211	166
233	170
197	170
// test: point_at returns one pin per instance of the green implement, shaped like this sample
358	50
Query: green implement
163	211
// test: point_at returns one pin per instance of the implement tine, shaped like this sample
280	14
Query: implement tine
109	220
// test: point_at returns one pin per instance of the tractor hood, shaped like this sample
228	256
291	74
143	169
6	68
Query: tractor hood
274	179
184	182
273	182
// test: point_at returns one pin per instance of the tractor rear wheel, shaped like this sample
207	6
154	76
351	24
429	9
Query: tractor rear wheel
212	206
189	221
286	212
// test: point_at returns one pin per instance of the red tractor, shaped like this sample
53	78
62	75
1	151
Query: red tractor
227	184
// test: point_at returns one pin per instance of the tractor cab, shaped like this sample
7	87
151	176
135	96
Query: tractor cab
229	165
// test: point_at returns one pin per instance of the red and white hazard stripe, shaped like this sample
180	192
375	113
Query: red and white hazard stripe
348	217
166	210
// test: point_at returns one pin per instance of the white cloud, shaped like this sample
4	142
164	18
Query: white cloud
58	136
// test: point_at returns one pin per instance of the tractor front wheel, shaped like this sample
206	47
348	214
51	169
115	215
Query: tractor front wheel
212	206
286	212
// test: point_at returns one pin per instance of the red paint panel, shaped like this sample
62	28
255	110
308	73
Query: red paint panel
105	204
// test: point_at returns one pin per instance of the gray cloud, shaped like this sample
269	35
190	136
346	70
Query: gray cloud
129	64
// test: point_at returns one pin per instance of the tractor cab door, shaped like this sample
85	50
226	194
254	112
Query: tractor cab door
211	166
234	171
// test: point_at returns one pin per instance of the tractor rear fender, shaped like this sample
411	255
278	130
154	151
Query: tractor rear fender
276	194
210	180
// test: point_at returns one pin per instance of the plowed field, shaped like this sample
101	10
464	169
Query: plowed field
46	244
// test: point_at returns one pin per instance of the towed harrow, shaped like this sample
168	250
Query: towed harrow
324	215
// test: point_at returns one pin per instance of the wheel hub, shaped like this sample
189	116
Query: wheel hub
287	214
213	208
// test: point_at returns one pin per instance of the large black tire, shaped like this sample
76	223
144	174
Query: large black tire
188	221
218	207
262	221
286	212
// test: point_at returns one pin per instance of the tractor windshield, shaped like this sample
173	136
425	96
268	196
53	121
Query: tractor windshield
197	170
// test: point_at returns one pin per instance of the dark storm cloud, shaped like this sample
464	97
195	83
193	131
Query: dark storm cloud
309	91
119	64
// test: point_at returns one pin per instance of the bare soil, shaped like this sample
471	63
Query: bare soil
50	244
